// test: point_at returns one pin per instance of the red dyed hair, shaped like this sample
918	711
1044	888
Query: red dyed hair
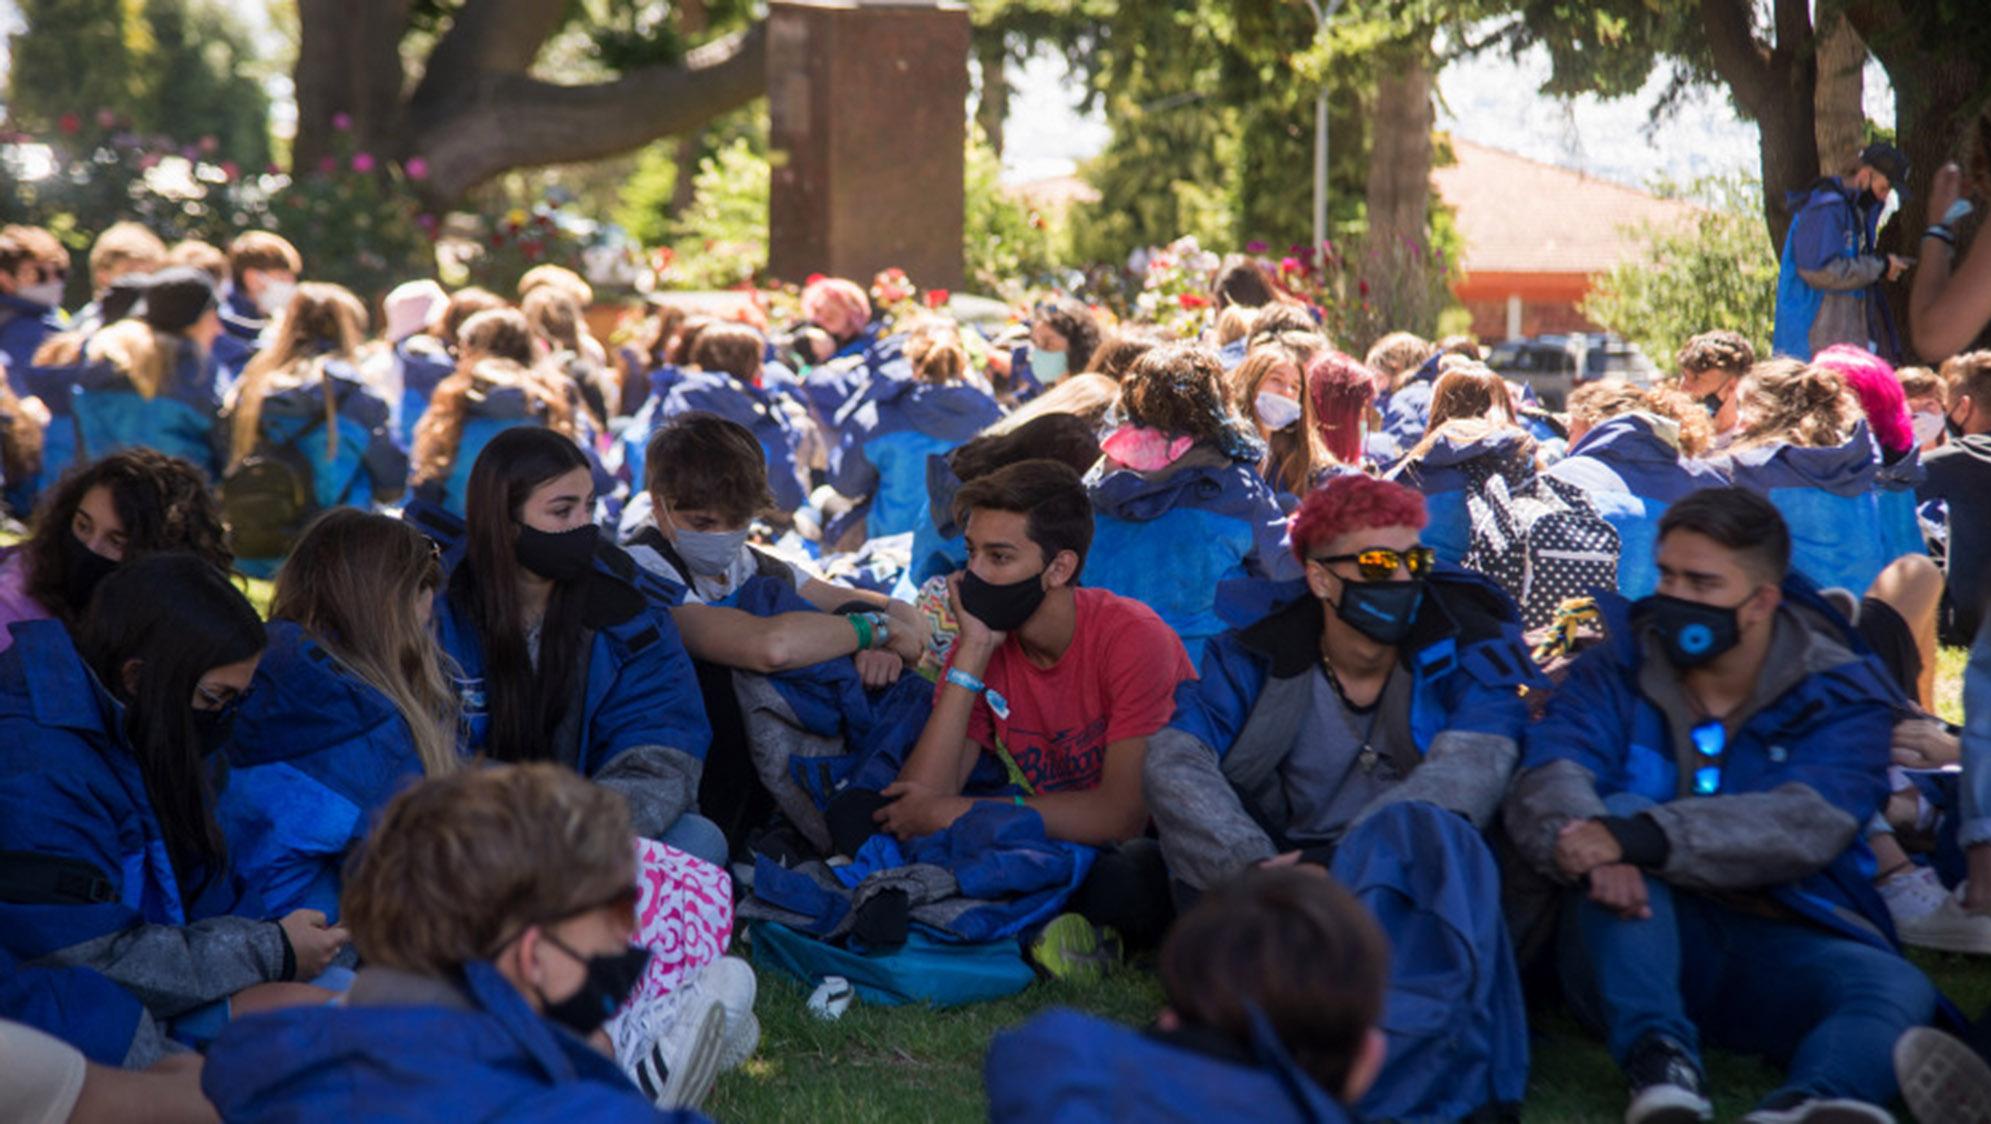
1341	388
1353	503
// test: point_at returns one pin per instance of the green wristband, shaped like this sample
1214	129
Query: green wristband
863	627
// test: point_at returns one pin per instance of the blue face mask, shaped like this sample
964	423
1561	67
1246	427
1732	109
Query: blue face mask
1049	366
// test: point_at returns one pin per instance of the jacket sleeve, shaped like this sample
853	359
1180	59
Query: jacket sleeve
173	969
1463	772
1818	250
1206	834
1577	741
648	738
851	473
1836	780
385	461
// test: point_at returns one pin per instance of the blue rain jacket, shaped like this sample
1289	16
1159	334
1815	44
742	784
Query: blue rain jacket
1830	498
1075	1068
1447	473
491	1059
886	436
77	1005
1168	539
1829	732
760	410
1407	410
181	421
483	418
938	545
422	370
1830	222
316	751
24	325
1633	474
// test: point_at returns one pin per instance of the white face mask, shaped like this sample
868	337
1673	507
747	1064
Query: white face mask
1928	425
47	293
1276	411
276	296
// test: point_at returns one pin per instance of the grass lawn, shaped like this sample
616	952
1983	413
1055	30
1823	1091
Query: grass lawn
908	1064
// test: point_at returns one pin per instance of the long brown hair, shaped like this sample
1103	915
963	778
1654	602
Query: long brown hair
495	353
525	706
354	581
1465	395
322	322
140	352
163	502
1789	402
1295	453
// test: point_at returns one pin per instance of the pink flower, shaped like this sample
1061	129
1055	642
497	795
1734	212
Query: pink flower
1290	265
1255	247
106	118
342	122
68	123
362	162
328	164
417	168
232	170
208	144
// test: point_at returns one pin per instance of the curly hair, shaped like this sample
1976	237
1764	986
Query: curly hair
163	502
1719	350
1595	403
1790	402
1178	389
1072	319
1353	503
1398	355
1116	353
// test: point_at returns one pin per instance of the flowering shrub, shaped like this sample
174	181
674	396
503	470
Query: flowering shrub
1175	286
354	219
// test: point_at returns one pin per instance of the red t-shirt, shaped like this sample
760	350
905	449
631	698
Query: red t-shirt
1116	681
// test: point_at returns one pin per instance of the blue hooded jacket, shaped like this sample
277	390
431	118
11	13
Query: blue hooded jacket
762	411
315	752
1829	497
488	1057
886	435
77	1005
938	543
242	325
1071	1068
1168	539
484	417
1407	410
1831	223
422	369
24	325
1633	472
1449	470
71	792
1824	738
180	421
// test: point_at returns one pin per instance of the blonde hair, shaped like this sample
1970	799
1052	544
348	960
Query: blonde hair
323	322
1397	356
1598	402
124	247
1234	323
1089	396
1789	402
934	348
553	315
353	582
137	351
459	866
559	277
440	432
1292	455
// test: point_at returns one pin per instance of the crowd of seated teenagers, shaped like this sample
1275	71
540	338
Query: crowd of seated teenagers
1377	750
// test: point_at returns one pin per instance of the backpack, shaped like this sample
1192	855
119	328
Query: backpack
1543	541
268	499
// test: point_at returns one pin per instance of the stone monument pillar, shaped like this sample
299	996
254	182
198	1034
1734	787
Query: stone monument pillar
867	101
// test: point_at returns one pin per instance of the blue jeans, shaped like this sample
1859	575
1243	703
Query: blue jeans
698	837
1976	786
1827	1007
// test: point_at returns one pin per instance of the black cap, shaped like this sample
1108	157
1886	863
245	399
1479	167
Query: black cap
124	297
1888	160
177	297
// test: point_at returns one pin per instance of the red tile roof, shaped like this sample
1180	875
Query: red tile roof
1521	216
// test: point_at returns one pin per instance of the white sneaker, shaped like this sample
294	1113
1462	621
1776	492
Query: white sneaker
1822	1110
1912	895
680	1067
1943	1080
730	981
1947	928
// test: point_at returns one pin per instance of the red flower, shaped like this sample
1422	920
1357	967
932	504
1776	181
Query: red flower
935	298
1362	287
231	170
497	241
68	123
531	250
813	278
1193	301
328	164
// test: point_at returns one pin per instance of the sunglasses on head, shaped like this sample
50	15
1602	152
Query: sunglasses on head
1380	563
1710	740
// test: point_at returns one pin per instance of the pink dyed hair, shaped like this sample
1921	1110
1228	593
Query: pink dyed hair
1353	503
1872	381
838	305
1341	388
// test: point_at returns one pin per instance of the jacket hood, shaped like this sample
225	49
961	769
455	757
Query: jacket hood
1846	469
1213	482
303	702
955	412
1447	452
43	678
727	397
1976	446
1632	438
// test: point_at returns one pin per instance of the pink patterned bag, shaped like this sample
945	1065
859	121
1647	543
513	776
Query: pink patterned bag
684	916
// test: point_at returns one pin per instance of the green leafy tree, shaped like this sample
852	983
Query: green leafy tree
1716	273
1007	247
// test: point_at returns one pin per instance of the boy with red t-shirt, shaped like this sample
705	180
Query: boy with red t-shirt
1063	685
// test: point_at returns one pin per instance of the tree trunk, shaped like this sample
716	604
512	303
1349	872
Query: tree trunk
350	63
1399	184
1775	85
992	106
1838	101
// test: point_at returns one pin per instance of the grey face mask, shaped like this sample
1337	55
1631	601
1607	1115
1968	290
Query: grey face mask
709	553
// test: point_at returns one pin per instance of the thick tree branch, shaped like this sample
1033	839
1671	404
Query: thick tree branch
351	64
489	36
1741	61
504	121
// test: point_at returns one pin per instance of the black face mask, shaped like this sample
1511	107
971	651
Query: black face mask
1381	611
562	556
1953	427
1692	633
1003	608
610	980
1712	404
82	569
213	728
